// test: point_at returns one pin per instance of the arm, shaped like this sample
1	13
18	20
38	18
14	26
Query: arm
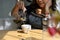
48	4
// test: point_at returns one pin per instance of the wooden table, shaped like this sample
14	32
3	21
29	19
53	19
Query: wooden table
47	36
35	33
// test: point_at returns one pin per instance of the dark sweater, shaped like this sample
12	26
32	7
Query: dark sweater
33	18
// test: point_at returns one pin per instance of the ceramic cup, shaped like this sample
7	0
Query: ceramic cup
26	28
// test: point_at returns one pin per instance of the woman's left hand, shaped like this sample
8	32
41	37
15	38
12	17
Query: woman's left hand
48	4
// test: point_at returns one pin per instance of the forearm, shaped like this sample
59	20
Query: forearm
47	7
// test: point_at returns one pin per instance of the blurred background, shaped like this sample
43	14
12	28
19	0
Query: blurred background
5	14
6	20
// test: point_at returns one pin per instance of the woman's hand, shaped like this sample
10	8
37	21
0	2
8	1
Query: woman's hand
48	4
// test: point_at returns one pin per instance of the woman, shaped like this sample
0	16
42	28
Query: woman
32	17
